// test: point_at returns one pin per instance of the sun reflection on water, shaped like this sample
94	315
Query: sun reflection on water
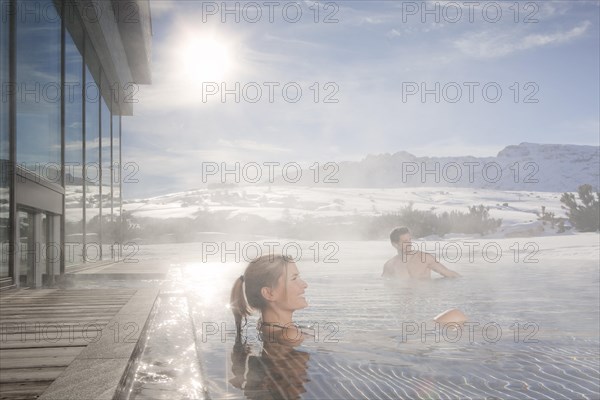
208	283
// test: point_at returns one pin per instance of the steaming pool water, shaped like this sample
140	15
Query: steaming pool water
532	334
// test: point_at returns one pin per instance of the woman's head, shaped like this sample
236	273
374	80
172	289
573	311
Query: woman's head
270	281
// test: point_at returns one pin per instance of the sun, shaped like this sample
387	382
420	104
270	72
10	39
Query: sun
205	58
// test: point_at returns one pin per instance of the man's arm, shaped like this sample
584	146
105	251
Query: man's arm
434	265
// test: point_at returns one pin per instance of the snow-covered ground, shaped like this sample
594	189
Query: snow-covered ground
517	209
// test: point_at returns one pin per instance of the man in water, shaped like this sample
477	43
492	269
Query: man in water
412	263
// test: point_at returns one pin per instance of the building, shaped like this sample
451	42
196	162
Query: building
70	71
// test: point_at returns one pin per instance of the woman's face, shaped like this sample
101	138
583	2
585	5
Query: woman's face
289	292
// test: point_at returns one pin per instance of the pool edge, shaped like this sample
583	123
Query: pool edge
104	366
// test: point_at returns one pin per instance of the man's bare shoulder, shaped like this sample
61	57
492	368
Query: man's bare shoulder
418	255
390	266
427	256
393	261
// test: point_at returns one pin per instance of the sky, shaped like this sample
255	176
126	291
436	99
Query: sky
336	81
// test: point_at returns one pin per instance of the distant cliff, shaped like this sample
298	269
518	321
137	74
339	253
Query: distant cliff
527	166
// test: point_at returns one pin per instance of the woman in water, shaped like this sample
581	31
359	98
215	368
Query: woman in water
272	285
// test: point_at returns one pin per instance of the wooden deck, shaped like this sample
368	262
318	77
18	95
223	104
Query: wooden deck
43	330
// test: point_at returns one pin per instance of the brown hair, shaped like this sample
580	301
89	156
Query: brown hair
397	232
245	293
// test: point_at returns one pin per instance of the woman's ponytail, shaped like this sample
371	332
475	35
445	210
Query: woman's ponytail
238	304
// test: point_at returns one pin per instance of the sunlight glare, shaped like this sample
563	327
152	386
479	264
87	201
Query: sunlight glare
205	59
206	281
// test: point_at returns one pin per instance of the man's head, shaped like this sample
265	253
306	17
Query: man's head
401	239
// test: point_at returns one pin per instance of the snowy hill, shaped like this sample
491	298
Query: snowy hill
280	204
514	185
527	166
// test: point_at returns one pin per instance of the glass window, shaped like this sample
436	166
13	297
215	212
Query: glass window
4	146
117	225
38	90
106	222
73	152
116	169
92	163
27	252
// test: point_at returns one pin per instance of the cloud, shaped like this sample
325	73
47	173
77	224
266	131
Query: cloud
252	145
542	40
491	44
393	33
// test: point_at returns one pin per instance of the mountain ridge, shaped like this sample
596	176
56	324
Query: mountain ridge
526	166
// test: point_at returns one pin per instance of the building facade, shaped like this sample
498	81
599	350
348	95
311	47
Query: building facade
70	71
